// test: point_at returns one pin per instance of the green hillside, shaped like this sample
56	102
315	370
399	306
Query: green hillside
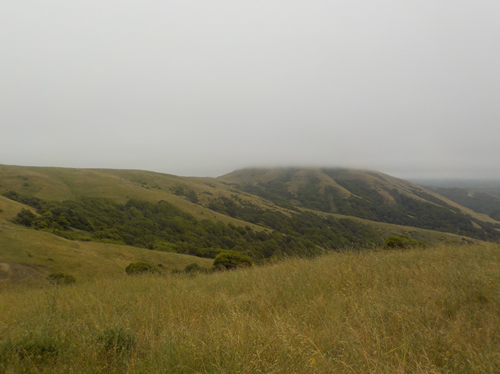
266	214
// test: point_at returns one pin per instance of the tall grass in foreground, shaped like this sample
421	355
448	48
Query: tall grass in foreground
427	311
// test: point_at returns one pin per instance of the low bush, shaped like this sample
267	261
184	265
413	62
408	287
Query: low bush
136	268
403	242
194	268
232	260
61	279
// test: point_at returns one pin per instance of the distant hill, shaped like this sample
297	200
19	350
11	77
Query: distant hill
366	194
480	199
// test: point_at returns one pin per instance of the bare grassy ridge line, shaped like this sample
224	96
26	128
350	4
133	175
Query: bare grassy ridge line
120	185
416	311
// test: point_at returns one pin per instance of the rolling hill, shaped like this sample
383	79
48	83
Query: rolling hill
103	218
365	194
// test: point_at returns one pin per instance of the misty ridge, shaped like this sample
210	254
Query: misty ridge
203	89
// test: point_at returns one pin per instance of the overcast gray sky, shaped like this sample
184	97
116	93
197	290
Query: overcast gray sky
196	87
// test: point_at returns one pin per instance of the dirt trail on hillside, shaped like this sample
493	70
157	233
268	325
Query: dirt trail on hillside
20	272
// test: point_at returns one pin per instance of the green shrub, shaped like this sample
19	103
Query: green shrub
193	268
116	340
136	268
403	242
232	260
61	279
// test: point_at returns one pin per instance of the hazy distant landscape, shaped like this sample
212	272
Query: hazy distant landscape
249	186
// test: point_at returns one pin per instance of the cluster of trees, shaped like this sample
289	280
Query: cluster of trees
164	227
189	194
328	233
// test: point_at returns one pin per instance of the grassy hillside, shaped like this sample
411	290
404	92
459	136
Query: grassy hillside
263	213
59	184
291	183
415	311
30	256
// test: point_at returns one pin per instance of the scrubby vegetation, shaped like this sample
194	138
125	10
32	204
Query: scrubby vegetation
403	242
412	311
194	268
137	268
231	260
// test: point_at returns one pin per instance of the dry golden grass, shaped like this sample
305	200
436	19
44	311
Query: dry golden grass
416	311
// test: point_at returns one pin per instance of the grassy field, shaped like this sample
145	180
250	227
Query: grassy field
414	311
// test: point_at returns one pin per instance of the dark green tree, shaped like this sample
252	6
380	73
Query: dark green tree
25	217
